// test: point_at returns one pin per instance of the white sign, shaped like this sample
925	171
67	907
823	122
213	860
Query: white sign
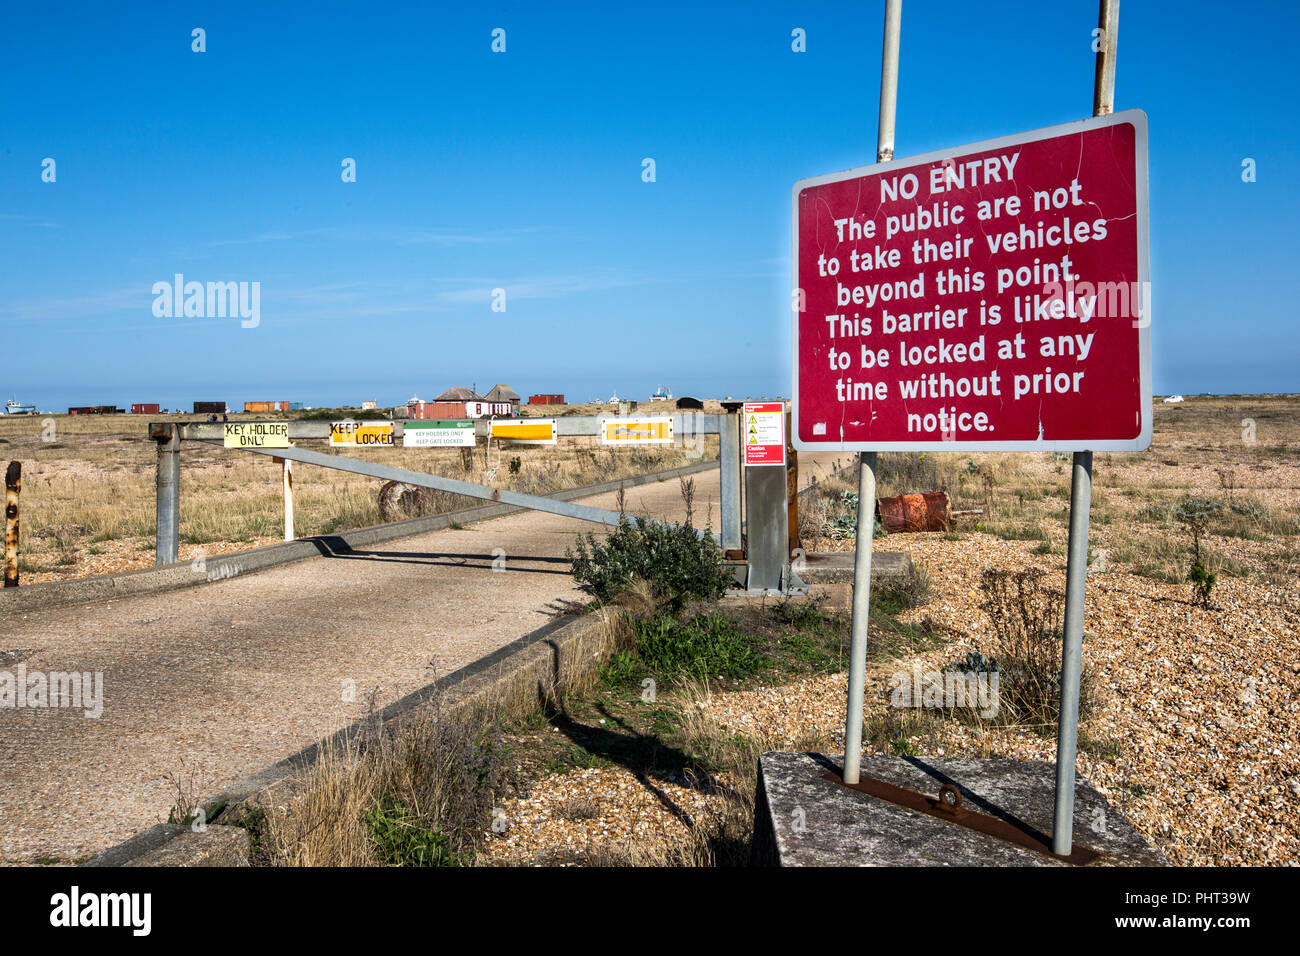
438	434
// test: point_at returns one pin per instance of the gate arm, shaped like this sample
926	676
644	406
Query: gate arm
567	509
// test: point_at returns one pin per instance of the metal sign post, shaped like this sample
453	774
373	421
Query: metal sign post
1076	569
867	459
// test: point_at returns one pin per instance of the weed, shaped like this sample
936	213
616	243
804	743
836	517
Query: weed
706	646
623	669
402	840
1026	641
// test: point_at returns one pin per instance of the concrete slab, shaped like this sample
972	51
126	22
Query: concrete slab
802	820
212	846
888	568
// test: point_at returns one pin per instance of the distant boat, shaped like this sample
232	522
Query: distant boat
15	407
662	393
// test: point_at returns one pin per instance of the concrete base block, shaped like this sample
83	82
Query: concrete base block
888	568
802	820
170	844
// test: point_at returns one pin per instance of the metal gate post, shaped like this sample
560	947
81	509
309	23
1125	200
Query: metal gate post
767	521
729	463
167	490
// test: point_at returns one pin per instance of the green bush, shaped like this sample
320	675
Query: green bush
676	562
1198	508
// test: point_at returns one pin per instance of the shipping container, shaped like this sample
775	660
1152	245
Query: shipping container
205	408
552	399
145	408
259	406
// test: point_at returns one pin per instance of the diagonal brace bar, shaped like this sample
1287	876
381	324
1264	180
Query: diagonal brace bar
567	509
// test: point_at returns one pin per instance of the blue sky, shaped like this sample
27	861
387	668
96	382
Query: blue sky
523	170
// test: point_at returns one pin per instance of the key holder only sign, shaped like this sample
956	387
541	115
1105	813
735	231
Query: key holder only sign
992	297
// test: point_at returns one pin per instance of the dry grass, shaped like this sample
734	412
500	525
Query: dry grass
425	783
1198	451
92	490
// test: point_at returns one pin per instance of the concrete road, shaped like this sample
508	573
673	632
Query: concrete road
205	685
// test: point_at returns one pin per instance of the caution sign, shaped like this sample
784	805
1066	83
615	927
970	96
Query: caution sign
438	433
257	435
764	424
526	431
657	430
367	434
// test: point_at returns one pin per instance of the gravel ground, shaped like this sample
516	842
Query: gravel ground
596	815
1198	718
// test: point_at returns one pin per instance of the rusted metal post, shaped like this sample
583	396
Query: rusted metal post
286	468
167	491
1076	567
13	484
1103	85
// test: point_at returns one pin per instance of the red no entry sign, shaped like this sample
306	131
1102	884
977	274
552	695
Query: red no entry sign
993	297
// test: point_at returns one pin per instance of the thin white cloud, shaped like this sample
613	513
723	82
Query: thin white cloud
398	235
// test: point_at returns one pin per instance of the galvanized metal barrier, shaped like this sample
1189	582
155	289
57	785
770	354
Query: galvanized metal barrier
768	512
688	429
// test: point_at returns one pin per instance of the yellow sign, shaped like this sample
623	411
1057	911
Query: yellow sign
365	434
257	435
636	431
532	431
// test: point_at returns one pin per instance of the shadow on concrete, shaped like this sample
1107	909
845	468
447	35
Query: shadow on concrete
970	799
443	559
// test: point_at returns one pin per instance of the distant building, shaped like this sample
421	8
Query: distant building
459	402
504	394
266	406
690	404
94	410
207	408
369	406
553	399
145	408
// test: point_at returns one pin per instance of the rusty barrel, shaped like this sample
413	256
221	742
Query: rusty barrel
931	511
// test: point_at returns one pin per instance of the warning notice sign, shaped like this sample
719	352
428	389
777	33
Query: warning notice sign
764	433
992	297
